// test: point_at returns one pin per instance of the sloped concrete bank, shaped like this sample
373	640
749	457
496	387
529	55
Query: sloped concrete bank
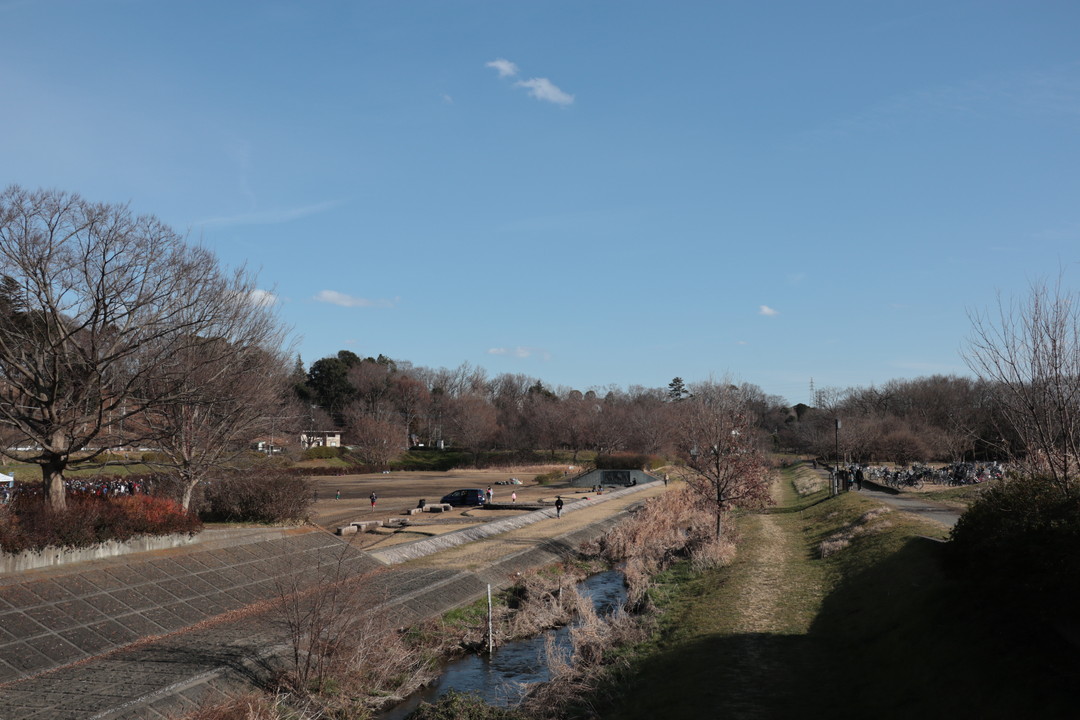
143	639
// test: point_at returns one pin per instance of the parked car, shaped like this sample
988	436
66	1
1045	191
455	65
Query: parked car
467	496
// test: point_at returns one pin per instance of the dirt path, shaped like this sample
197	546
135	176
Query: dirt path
769	608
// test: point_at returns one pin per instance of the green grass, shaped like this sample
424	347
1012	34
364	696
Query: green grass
876	630
28	472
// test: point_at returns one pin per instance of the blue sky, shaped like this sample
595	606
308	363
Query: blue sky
591	193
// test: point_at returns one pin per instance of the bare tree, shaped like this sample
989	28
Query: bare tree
232	392
411	398
471	421
378	440
102	313
716	439
1030	353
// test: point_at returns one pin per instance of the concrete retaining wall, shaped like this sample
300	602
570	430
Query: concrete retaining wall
52	556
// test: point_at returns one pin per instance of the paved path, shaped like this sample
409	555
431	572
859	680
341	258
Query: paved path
906	502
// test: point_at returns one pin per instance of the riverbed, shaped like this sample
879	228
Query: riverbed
504	678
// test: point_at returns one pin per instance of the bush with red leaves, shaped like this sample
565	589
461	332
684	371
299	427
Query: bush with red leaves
29	524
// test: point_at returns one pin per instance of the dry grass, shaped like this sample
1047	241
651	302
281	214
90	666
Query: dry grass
667	528
807	481
868	522
577	674
250	706
712	555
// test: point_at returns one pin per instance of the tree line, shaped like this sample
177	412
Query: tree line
117	333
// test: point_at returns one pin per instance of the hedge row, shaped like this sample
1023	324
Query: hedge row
26	523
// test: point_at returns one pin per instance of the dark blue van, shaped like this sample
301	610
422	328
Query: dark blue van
468	496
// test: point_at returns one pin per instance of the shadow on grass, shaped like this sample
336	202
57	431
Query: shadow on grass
899	639
894	639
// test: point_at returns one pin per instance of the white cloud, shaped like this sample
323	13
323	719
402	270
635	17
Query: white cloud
766	310
336	298
544	89
447	99
262	298
505	67
520	352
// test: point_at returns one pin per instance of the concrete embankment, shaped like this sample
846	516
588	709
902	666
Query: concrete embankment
148	634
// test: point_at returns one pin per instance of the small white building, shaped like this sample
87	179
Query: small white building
320	438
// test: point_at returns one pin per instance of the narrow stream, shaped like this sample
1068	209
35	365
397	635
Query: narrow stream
501	679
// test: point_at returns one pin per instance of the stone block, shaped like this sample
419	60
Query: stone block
346	530
366	525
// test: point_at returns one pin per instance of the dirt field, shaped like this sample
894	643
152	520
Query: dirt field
400	491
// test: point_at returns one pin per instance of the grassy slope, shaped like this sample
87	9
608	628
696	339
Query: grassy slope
875	630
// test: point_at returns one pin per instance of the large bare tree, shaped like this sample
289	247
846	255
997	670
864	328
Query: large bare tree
1030	353
105	316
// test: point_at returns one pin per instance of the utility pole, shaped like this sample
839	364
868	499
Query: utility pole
836	462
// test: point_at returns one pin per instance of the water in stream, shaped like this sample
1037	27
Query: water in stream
500	679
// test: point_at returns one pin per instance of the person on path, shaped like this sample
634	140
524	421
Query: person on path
374	497
859	477
513	497
558	506
490	495
338	495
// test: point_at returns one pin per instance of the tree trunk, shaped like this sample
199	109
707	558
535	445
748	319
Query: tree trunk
189	490
52	480
719	514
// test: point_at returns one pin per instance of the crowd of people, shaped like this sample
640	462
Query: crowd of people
81	487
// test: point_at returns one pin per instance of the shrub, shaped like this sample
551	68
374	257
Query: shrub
1019	545
265	494
29	524
549	477
321	452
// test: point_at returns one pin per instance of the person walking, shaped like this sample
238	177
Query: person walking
374	497
513	497
558	506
